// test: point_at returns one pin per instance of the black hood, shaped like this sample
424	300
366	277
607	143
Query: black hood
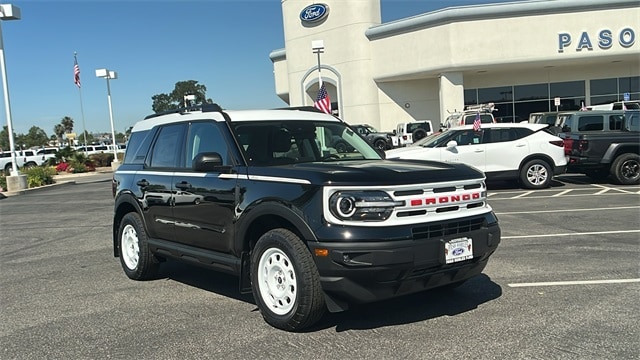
372	172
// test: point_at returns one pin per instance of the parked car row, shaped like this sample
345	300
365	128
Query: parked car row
525	152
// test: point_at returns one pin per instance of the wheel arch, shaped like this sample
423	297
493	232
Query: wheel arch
124	204
259	220
616	150
268	216
543	157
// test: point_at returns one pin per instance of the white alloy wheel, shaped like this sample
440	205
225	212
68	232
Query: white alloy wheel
130	247
277	281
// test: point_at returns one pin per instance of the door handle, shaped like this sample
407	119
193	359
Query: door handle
142	183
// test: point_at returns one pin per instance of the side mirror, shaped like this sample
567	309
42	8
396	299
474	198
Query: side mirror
394	132
208	161
451	144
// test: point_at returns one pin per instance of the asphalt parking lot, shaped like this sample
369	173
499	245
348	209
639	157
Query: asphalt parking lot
564	284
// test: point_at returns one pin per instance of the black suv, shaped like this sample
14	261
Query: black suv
380	140
262	195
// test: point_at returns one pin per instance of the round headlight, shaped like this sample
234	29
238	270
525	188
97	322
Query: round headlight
345	205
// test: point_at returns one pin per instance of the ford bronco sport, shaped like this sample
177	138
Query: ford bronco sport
260	194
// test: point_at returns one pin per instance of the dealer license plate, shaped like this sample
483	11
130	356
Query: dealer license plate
458	250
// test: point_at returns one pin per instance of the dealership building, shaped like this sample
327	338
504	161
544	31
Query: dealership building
523	56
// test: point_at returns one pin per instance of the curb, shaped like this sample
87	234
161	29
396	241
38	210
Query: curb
24	191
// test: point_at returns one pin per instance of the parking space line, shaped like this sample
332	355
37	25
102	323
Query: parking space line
612	188
567	210
578	282
571	234
562	193
522	195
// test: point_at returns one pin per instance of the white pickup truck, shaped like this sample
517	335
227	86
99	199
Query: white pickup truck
24	158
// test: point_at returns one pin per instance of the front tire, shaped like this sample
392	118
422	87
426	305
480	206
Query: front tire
135	257
285	281
535	174
380	144
626	169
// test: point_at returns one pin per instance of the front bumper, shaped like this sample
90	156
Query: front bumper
363	271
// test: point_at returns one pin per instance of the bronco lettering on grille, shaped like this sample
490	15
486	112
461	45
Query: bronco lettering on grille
446	199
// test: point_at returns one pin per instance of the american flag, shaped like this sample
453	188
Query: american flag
476	122
76	72
322	101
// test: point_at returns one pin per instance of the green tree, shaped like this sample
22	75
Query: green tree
90	138
35	137
175	99
4	138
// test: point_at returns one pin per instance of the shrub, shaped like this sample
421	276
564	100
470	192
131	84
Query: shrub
62	167
3	183
39	176
102	159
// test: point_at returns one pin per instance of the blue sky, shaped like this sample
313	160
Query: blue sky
222	44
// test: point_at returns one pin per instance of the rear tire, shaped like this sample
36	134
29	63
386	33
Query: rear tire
535	174
626	169
285	281
135	257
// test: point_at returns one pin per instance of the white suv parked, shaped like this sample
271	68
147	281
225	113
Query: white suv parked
522	151
408	133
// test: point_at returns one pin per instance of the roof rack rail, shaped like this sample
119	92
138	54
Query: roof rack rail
302	108
202	107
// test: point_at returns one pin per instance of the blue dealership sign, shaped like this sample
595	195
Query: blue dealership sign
314	12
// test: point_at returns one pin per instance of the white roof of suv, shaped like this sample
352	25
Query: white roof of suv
235	115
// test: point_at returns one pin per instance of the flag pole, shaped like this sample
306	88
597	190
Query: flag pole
76	71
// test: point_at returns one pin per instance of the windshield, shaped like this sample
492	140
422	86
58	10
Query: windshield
437	139
268	143
425	139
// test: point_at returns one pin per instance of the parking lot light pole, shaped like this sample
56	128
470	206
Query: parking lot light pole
110	75
15	181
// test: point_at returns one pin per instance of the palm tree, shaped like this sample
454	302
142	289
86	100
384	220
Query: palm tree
59	131
67	123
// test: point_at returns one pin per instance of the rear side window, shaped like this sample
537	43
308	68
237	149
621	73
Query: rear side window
166	151
496	135
137	147
615	122
591	123
634	121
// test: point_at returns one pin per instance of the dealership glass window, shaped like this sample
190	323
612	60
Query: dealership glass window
604	99
495	94
604	87
470	97
531	92
567	89
606	91
630	84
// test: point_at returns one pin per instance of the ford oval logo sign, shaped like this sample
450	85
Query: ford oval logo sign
458	251
314	13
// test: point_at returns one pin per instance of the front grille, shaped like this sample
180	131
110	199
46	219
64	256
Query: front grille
449	228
